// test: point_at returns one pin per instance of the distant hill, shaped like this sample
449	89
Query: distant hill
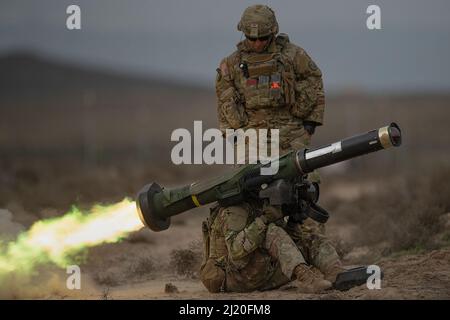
50	108
54	108
23	74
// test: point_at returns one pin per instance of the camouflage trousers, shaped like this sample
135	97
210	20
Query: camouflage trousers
310	238
268	267
285	247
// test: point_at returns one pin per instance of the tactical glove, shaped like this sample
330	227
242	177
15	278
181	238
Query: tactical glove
310	127
271	214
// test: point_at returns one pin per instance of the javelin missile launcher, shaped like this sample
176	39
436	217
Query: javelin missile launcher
288	187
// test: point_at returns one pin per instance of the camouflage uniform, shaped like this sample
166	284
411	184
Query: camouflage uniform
244	253
278	88
246	103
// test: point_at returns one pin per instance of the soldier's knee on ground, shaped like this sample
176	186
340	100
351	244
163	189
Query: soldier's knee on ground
282	248
305	233
311	239
324	255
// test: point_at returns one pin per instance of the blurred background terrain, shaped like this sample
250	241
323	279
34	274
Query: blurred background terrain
86	118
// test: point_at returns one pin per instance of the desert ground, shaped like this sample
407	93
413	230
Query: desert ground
73	136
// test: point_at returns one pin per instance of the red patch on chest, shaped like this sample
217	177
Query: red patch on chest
275	85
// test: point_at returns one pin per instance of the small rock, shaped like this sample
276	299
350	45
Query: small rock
170	288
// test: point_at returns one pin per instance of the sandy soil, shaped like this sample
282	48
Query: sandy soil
421	276
146	266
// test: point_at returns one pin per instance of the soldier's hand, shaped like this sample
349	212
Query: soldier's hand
310	127
271	214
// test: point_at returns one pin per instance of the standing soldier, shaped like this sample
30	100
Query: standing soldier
267	83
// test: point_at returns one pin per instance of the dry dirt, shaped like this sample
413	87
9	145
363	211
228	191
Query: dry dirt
149	265
421	276
408	274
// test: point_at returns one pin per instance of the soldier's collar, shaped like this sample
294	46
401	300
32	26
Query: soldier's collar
271	47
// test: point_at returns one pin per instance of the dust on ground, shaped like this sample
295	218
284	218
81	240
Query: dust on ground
366	227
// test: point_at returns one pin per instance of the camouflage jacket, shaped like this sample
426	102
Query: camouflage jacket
279	88
235	233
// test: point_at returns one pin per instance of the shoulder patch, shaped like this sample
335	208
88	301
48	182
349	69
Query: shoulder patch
312	65
236	218
224	68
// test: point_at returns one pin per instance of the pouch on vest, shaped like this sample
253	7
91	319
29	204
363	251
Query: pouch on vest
263	87
269	82
232	111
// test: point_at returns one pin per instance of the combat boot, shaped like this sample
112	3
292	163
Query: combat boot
345	278
333	271
310	280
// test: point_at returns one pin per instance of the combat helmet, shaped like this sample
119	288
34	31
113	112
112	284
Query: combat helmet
258	21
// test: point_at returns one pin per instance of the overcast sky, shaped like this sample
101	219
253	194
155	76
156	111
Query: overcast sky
187	39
